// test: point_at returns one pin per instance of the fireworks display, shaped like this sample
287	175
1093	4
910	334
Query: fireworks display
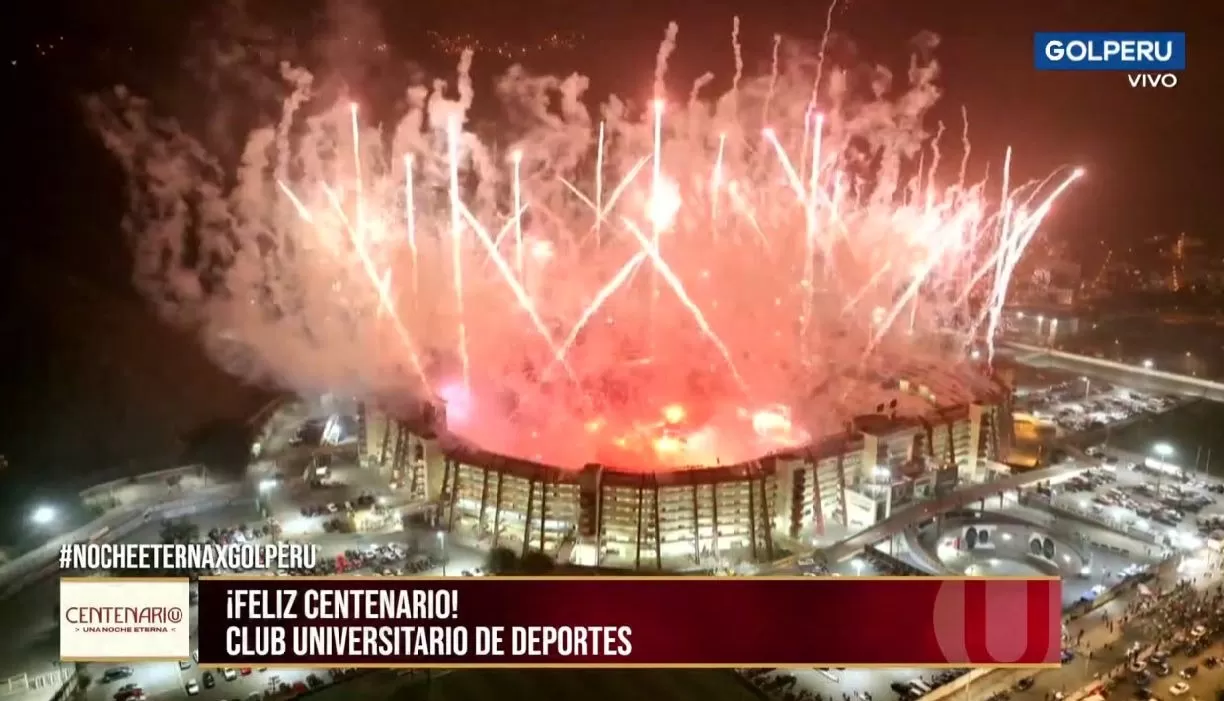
684	282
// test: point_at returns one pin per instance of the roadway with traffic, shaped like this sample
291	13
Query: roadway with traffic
1106	639
1140	377
831	684
1091	633
1112	551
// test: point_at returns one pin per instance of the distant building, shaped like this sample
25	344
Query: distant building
1048	277
1066	280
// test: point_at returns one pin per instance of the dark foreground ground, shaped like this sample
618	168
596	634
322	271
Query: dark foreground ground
549	685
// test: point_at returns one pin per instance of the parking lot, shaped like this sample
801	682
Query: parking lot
323	499
1084	404
1178	510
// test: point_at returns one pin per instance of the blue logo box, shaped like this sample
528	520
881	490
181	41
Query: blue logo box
1110	51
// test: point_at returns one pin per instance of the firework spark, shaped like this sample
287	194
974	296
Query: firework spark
684	283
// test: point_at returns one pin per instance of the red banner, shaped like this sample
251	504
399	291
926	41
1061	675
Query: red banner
654	621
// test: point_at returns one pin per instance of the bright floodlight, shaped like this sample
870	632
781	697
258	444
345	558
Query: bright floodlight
1163	450
1147	364
43	515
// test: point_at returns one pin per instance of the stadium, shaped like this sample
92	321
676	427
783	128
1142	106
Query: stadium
763	338
923	441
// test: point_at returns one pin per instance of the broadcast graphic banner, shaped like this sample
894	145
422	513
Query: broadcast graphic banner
612	621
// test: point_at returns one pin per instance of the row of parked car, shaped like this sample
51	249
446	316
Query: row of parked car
242	533
784	686
1021	686
1211	526
365	501
917	688
1167	503
276	689
1090	481
1074	412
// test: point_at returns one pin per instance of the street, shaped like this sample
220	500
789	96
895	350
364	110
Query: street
1203	686
1107	644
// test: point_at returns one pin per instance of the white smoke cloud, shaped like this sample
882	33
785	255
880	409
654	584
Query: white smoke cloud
302	264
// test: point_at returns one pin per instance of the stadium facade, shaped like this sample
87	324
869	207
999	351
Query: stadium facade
684	518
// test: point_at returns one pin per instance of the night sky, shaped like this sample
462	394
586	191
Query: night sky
95	384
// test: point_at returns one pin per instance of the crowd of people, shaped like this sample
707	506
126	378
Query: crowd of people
1184	620
779	685
784	686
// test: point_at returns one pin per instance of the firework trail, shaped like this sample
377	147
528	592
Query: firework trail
677	284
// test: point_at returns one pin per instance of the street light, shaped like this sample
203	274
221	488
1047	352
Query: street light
1163	451
263	496
1087	386
442	546
43	515
1147	364
857	564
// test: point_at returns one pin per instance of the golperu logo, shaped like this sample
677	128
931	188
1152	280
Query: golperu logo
1161	52
979	621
